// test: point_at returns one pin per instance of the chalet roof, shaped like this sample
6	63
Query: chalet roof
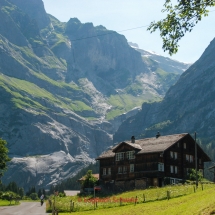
212	167
147	145
133	145
159	144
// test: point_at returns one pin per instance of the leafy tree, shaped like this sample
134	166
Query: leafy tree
89	180
21	192
181	18
3	156
34	196
192	175
72	183
31	190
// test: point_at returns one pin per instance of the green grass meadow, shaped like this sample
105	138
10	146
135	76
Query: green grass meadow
7	203
184	199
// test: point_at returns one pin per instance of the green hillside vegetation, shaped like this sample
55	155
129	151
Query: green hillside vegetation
124	102
28	95
52	44
149	201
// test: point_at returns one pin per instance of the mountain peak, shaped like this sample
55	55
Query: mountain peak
35	9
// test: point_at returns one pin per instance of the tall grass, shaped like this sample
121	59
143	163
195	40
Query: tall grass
78	204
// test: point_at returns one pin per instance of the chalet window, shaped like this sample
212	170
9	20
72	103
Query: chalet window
187	157
104	171
178	144
175	155
119	156
109	171
176	170
171	169
161	167
131	167
191	158
130	155
171	154
119	169
124	169
185	145
187	170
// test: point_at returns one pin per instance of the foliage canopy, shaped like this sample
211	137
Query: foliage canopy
181	18
192	175
3	156
89	180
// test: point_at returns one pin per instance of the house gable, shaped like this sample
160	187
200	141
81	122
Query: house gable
124	146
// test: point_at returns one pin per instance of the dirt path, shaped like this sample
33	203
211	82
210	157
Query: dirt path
25	208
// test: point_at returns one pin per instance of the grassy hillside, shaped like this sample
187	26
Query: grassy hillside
28	95
196	203
150	201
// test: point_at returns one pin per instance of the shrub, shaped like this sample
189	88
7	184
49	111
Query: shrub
34	196
62	194
9	196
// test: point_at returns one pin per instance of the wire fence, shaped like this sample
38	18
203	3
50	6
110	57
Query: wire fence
69	204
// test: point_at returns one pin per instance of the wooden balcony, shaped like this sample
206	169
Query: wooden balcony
125	176
106	177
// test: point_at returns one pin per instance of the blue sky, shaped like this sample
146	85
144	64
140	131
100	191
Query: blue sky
120	15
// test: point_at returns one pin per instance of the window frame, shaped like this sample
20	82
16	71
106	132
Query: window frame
131	168
176	169
171	154
130	155
104	171
120	156
171	169
119	169
125	169
109	170
175	155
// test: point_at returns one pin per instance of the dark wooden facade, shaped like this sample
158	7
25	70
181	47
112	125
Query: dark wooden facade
150	162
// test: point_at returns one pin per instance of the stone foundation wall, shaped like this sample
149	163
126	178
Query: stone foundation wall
140	184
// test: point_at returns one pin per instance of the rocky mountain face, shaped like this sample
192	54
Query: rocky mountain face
188	106
63	88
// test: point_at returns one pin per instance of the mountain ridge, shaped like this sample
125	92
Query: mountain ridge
64	97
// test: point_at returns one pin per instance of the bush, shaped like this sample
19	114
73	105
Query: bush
34	196
26	198
62	194
9	196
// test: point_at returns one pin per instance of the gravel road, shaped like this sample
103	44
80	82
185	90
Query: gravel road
25	208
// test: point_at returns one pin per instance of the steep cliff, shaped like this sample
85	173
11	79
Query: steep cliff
60	83
187	107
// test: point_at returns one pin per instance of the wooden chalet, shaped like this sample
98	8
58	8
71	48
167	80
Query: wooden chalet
150	162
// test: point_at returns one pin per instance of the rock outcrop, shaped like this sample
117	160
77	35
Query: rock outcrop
187	107
60	83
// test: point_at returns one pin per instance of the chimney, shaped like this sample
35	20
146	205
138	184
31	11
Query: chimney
133	139
158	134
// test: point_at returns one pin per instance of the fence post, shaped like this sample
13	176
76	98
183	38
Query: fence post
194	188
168	194
94	204
70	206
136	200
73	206
144	198
202	187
